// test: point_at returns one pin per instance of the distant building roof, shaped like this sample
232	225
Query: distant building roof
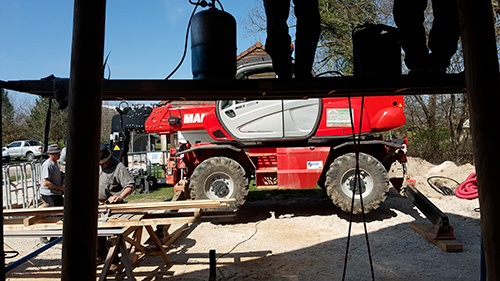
256	50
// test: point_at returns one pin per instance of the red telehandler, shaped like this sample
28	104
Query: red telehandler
279	144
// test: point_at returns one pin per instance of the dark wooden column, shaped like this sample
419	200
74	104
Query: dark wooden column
2	252
483	84
84	126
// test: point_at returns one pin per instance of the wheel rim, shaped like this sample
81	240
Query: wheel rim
365	183
219	185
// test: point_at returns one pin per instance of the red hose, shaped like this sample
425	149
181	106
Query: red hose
468	189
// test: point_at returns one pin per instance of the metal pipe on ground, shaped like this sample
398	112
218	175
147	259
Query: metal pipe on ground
31	255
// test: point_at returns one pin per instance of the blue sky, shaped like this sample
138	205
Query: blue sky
145	39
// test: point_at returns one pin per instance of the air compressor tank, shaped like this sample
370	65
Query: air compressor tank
376	50
213	45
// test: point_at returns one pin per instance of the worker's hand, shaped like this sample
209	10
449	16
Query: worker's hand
115	199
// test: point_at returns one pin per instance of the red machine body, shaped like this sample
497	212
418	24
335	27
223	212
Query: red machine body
379	114
166	120
288	167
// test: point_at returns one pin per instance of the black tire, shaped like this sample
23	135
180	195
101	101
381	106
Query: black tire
340	182
30	156
219	178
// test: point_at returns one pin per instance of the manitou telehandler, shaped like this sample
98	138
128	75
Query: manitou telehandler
280	144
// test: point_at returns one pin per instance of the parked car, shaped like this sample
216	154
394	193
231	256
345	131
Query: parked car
5	155
29	149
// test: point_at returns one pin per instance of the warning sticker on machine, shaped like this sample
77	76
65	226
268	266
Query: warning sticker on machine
338	117
314	165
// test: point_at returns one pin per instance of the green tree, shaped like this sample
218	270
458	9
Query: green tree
12	125
58	122
7	107
338	20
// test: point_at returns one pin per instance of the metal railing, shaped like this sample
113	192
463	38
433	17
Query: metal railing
21	184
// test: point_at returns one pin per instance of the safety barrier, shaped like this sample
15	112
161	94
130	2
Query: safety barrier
21	184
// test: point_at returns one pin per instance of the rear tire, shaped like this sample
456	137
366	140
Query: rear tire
219	178
340	182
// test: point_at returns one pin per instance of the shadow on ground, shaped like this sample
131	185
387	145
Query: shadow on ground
315	202
398	253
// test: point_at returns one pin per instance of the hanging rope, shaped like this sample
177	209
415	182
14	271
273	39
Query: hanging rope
47	126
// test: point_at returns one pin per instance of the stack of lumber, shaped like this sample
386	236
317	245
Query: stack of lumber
123	215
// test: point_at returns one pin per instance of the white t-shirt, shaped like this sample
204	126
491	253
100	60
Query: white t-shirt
51	171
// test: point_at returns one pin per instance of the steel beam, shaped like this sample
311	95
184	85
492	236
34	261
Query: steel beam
261	88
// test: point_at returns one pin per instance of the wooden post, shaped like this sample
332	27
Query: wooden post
82	178
483	84
2	252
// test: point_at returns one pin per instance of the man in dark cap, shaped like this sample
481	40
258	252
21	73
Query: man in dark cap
115	182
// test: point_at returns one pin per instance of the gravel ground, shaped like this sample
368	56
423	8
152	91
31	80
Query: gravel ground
287	237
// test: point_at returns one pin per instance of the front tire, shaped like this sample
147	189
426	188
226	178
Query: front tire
374	183
219	178
30	156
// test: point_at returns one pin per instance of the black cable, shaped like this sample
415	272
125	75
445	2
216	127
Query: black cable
220	4
235	246
12	253
357	179
185	39
241	242
446	191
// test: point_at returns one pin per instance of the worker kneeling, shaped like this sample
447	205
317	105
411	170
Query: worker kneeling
115	184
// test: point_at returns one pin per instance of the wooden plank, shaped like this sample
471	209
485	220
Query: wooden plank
108	224
145	222
125	260
158	244
31	219
445	245
109	259
176	234
33	211
129	207
137	217
140	220
58	232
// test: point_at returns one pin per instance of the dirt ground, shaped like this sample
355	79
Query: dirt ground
289	237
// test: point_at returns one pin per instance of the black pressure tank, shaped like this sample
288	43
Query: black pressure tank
213	45
376	50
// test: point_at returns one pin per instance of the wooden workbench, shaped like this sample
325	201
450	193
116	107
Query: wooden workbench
125	223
